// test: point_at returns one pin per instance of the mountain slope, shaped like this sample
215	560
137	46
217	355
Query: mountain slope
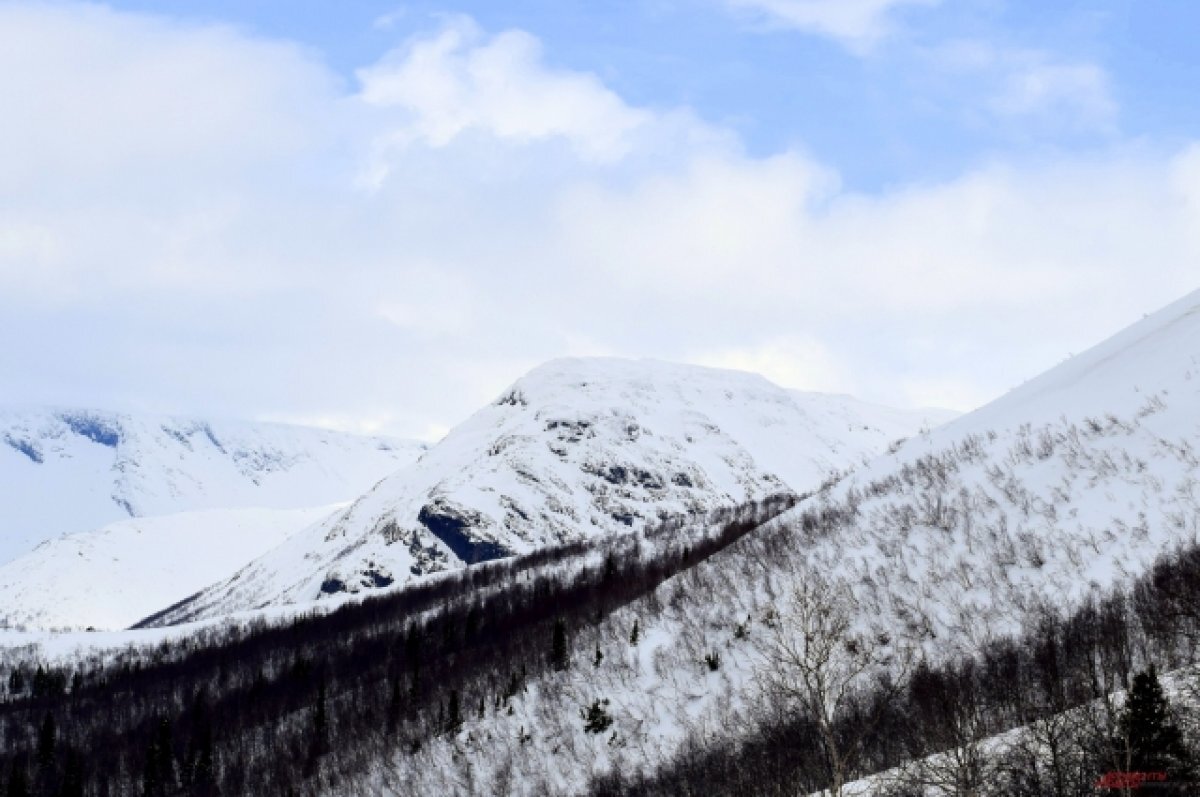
65	470
1157	356
1038	500
1067	485
114	576
957	536
576	448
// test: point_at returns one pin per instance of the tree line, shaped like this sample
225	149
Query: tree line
308	705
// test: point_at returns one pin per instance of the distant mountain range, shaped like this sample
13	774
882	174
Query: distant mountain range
70	470
575	449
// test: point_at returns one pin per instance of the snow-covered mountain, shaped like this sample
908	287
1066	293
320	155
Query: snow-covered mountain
114	576
66	470
1156	359
1073	483
576	448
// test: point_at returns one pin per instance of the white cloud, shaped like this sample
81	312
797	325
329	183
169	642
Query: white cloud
970	285
30	258
187	202
431	301
461	80
858	24
88	91
1025	85
795	362
697	230
132	146
1078	93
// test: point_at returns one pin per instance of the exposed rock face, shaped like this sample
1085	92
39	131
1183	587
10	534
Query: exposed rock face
454	526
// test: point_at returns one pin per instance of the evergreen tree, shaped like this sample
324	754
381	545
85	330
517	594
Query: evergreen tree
73	776
318	742
413	650
46	741
201	769
559	657
18	780
454	719
635	635
1147	733
599	657
395	706
321	717
514	686
596	718
158	774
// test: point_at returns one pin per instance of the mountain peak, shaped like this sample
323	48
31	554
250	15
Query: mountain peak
575	448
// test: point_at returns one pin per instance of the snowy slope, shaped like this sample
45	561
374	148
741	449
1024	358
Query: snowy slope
1069	484
1159	355
114	576
64	470
1039	498
576	448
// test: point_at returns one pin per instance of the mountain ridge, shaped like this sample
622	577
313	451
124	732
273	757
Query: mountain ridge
112	465
576	447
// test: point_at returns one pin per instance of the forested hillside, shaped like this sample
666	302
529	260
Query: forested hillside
314	704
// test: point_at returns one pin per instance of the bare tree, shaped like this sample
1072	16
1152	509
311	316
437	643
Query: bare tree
949	756
812	660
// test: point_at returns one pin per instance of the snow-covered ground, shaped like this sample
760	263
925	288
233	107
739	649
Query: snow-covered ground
577	448
113	577
66	470
1180	687
1040	498
1068	485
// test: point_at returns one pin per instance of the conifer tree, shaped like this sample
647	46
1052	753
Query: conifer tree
47	738
318	740
18	781
158	774
559	657
395	705
514	685
1147	733
321	717
454	719
412	654
595	717
73	776
635	635
201	770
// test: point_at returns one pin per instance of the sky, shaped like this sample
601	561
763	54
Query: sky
375	216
